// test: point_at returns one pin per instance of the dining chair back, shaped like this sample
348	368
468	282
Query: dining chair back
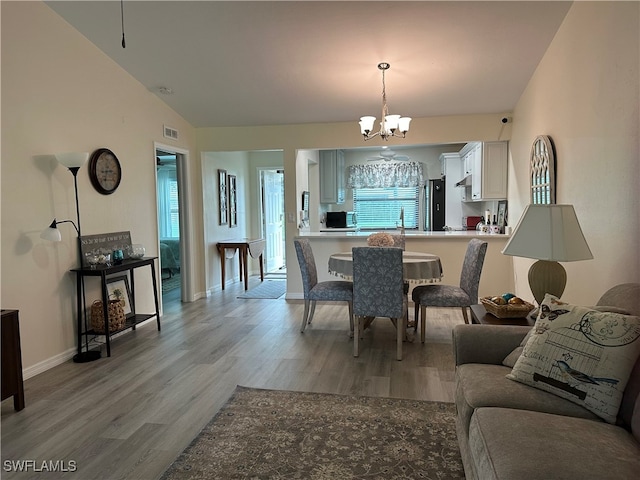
463	295
331	290
378	290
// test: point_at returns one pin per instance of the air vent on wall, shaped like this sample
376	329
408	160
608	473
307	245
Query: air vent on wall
170	133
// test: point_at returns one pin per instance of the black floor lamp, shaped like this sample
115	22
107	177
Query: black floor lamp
73	161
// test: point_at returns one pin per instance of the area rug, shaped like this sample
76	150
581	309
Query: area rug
171	283
266	289
270	434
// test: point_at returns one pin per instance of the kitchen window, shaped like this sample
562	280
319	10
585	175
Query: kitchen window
380	208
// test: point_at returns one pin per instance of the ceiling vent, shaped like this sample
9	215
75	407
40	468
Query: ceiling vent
170	133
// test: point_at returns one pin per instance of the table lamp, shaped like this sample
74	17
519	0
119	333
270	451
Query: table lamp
550	234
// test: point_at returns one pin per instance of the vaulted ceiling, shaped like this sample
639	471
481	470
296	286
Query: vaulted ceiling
262	63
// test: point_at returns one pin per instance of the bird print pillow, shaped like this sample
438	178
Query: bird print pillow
580	354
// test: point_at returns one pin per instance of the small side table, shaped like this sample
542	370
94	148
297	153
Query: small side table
480	316
12	384
246	247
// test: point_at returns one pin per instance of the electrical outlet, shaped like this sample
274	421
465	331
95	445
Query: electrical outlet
291	218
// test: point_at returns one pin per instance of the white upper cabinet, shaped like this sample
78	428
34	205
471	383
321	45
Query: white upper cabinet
487	165
332	184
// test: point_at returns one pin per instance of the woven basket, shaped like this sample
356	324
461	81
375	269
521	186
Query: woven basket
506	311
115	310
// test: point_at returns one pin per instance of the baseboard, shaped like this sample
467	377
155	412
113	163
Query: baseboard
48	364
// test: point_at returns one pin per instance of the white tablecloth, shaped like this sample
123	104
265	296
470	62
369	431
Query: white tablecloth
418	267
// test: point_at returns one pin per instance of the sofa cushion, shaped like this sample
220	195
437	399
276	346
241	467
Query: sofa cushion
522	445
580	354
482	385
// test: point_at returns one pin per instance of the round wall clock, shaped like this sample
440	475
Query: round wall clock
104	171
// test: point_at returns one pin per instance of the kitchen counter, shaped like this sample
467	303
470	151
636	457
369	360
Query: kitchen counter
346	233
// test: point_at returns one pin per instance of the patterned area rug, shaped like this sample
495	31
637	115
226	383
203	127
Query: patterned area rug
172	283
279	434
266	289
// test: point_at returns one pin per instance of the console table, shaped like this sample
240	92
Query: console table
12	384
129	265
246	247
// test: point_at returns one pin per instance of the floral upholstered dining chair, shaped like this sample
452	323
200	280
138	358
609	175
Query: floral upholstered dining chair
463	295
378	290
331	290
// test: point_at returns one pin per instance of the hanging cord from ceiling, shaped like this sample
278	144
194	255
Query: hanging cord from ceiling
124	44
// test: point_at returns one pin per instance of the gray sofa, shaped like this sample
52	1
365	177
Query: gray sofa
509	430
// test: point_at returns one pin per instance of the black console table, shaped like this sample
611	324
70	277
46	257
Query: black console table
102	272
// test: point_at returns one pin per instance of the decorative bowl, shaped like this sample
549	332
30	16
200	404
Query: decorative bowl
137	251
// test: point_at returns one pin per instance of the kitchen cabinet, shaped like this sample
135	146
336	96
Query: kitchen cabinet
451	169
487	163
332	183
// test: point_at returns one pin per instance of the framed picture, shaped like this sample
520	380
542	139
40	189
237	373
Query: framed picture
118	288
233	202
222	191
502	214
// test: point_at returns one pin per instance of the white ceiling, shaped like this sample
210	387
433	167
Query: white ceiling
262	63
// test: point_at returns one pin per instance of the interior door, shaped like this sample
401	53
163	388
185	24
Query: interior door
273	204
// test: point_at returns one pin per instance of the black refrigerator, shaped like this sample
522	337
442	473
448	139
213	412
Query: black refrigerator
434	203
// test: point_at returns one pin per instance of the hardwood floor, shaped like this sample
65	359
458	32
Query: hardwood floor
130	415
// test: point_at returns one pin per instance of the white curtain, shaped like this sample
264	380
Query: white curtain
165	177
384	175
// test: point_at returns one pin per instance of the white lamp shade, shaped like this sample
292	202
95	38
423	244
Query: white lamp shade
366	124
392	121
72	159
403	124
549	232
52	234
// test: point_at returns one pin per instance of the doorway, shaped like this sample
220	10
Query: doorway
272	221
170	164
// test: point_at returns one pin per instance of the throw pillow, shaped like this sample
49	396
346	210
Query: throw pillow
511	359
580	354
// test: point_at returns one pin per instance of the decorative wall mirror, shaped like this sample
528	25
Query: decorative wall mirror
542	171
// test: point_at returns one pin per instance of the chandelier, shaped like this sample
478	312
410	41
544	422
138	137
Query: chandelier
390	125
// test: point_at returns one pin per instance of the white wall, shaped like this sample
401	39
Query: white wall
585	95
59	94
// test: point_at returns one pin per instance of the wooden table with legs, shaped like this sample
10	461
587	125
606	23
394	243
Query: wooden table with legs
246	247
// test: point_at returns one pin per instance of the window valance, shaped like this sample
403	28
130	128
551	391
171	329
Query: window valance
383	175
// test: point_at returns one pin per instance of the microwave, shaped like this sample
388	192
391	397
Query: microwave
341	220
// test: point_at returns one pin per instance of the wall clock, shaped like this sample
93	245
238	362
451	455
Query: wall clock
104	171
542	171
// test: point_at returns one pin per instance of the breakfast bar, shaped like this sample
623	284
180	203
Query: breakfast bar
449	246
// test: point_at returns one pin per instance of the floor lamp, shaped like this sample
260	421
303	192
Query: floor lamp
73	161
550	234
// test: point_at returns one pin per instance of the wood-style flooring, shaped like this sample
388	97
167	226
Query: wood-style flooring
130	415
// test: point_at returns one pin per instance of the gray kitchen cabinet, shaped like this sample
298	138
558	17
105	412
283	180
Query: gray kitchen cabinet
332	182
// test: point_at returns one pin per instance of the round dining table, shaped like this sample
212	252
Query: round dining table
419	268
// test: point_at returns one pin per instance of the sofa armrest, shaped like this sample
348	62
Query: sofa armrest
487	344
